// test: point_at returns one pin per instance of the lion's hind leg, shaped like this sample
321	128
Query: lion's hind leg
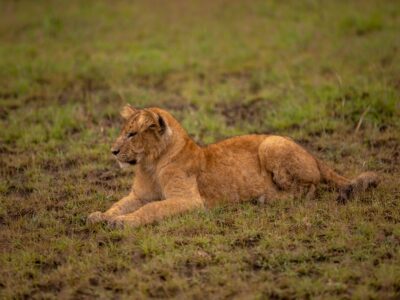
292	167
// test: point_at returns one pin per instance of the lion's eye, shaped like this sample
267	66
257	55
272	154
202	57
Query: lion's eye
131	134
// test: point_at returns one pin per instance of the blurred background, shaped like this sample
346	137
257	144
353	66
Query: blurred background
324	72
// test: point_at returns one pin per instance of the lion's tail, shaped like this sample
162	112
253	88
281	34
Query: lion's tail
347	187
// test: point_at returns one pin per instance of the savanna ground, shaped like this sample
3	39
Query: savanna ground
324	72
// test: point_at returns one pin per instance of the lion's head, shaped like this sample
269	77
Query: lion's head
142	136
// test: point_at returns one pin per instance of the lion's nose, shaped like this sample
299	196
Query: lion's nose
115	152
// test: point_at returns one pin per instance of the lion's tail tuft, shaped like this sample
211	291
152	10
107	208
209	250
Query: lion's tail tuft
361	183
347	187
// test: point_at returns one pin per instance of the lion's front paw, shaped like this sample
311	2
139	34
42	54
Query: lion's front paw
124	222
95	217
117	222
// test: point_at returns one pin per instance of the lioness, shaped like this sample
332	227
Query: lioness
175	175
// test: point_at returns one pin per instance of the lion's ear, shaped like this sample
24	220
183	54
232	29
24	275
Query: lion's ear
127	111
161	125
158	123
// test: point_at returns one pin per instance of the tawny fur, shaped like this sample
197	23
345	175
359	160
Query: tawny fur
174	175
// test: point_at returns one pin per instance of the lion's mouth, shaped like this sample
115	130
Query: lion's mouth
126	164
132	162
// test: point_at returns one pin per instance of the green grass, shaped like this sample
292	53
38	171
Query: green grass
314	70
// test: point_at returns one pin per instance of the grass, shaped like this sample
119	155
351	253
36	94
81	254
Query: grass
314	70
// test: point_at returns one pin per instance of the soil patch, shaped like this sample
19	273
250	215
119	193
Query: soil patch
252	111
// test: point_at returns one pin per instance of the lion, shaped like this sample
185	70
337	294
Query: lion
175	175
